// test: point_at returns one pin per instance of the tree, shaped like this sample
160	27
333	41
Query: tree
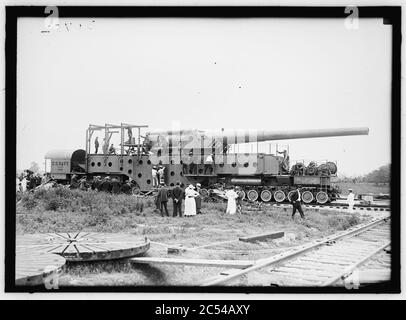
380	175
34	167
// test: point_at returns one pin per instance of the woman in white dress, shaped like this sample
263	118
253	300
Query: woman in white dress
231	204
190	203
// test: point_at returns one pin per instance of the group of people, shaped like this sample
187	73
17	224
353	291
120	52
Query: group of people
296	202
105	147
158	176
27	180
191	196
191	166
106	184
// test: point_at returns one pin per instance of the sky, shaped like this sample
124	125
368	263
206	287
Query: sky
265	74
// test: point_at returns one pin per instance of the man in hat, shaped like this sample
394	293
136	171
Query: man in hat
296	200
74	182
198	199
162	197
177	197
239	199
350	201
83	184
161	173
115	185
126	187
105	185
112	150
208	164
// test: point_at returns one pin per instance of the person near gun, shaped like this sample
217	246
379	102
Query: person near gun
83	184
198	199
105	146
231	201
161	175
296	203
190	202
350	201
115	185
126	188
154	173
177	197
96	145
208	164
112	150
192	165
285	161
74	182
239	200
130	135
105	185
162	198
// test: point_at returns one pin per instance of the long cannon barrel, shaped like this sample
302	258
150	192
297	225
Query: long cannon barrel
264	135
197	138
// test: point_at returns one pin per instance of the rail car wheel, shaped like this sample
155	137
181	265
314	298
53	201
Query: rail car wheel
242	194
290	195
266	195
321	197
279	196
252	195
307	196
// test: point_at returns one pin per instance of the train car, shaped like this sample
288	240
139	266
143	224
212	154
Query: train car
208	158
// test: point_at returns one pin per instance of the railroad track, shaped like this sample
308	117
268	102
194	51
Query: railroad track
335	206
322	263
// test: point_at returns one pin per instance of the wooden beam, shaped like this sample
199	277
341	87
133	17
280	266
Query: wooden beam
240	264
265	236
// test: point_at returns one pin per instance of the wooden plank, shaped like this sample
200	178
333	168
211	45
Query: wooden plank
195	262
265	236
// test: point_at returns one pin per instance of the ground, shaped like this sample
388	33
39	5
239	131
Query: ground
64	210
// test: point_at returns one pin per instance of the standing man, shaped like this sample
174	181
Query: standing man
296	199
96	145
130	135
198	199
126	187
115	185
105	185
239	200
161	173
74	182
285	161
154	177
350	201
163	200
208	164
177	196
105	146
191	163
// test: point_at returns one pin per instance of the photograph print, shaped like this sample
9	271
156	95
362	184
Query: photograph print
202	149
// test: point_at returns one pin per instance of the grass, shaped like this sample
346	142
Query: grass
64	210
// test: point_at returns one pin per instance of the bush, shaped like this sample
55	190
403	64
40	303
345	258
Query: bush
53	204
29	201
